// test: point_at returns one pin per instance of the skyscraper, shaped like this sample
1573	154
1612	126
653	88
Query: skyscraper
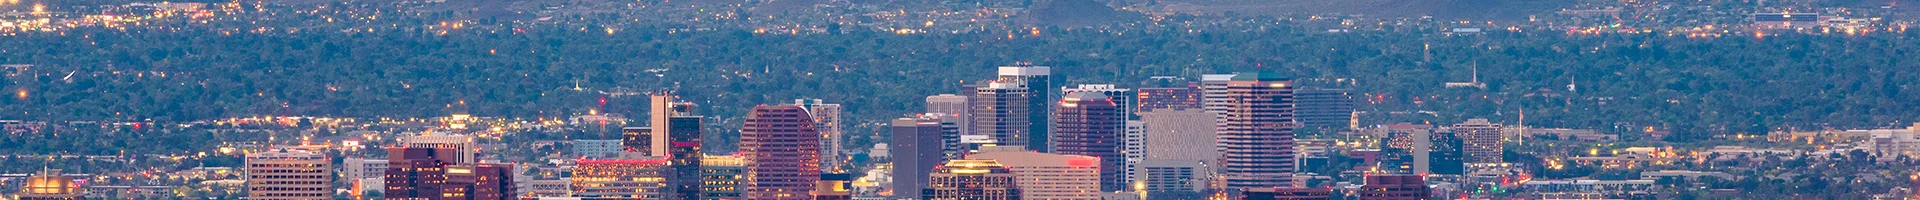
1325	108
1169	98
1089	126
1134	146
779	144
1038	81
1001	111
289	174
1482	140
1122	97
971	180
1213	93
683	162
826	118
917	148
1047	175
1258	131
953	107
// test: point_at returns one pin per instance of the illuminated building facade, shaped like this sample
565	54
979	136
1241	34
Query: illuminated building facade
721	176
1001	111
1037	82
971	180
631	177
834	186
286	174
780	146
1088	125
1257	135
48	184
1169	98
462	145
1481	139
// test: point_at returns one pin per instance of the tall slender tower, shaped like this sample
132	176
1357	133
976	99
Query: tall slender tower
1258	131
1001	111
1038	81
1088	126
826	118
780	146
684	155
917	147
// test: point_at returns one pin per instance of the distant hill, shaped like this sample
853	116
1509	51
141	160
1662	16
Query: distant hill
1075	13
1464	9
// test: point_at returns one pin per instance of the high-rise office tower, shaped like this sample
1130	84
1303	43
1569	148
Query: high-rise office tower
722	176
1038	81
632	176
1213	93
1134	147
673	133
1047	175
971	180
781	149
917	147
1394	187
1169	98
1481	139
1122	97
683	162
826	119
462	145
1324	108
289	174
1001	111
953	107
1213	99
1258	131
1088	126
49	184
430	173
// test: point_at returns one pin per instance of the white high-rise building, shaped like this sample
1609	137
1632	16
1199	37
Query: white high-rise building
1136	147
288	174
826	119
